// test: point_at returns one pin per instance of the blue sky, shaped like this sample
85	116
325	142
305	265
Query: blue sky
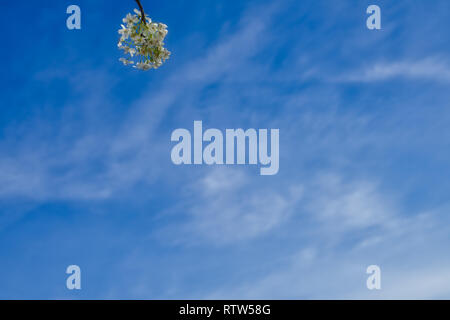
86	176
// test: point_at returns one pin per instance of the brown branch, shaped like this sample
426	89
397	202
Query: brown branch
142	11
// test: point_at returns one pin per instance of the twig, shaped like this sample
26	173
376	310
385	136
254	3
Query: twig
142	11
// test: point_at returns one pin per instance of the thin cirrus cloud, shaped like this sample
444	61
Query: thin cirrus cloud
230	206
321	269
434	69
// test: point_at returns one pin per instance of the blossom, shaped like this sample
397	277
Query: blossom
143	41
128	50
124	32
125	61
130	19
143	66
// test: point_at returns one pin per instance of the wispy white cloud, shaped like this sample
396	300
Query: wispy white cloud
231	206
322	268
435	69
350	205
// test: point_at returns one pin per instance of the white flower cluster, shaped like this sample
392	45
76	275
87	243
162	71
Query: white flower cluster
143	41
